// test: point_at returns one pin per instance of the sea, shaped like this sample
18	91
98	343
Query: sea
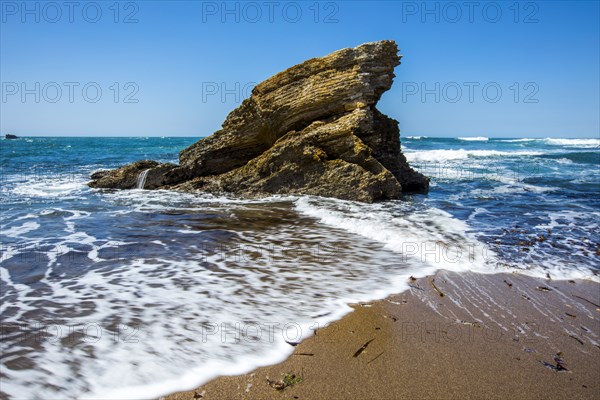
139	293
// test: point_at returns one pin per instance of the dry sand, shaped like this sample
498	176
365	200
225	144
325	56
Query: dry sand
488	336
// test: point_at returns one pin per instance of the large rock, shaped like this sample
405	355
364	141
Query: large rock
311	129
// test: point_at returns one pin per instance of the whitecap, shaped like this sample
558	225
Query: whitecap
474	138
461	154
517	140
583	143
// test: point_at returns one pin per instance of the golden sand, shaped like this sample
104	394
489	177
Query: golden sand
451	336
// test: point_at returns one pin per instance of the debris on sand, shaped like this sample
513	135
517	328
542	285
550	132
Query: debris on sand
289	379
560	366
432	282
363	348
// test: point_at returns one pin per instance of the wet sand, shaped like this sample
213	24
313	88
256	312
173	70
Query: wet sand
451	336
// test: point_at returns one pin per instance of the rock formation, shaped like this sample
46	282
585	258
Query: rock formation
311	129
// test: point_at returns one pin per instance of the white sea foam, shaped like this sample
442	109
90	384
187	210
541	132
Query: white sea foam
563	161
48	187
19	230
428	238
517	140
513	187
158	200
474	138
461	154
582	143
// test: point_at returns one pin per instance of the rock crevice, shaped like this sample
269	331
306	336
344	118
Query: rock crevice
311	129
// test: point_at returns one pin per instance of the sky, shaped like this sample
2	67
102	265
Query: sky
177	68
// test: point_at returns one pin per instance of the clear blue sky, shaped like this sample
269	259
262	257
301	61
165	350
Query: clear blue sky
178	56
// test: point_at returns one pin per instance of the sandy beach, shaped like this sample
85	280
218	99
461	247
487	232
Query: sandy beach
466	336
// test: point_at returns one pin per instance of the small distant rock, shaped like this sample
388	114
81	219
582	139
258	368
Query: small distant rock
9	136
